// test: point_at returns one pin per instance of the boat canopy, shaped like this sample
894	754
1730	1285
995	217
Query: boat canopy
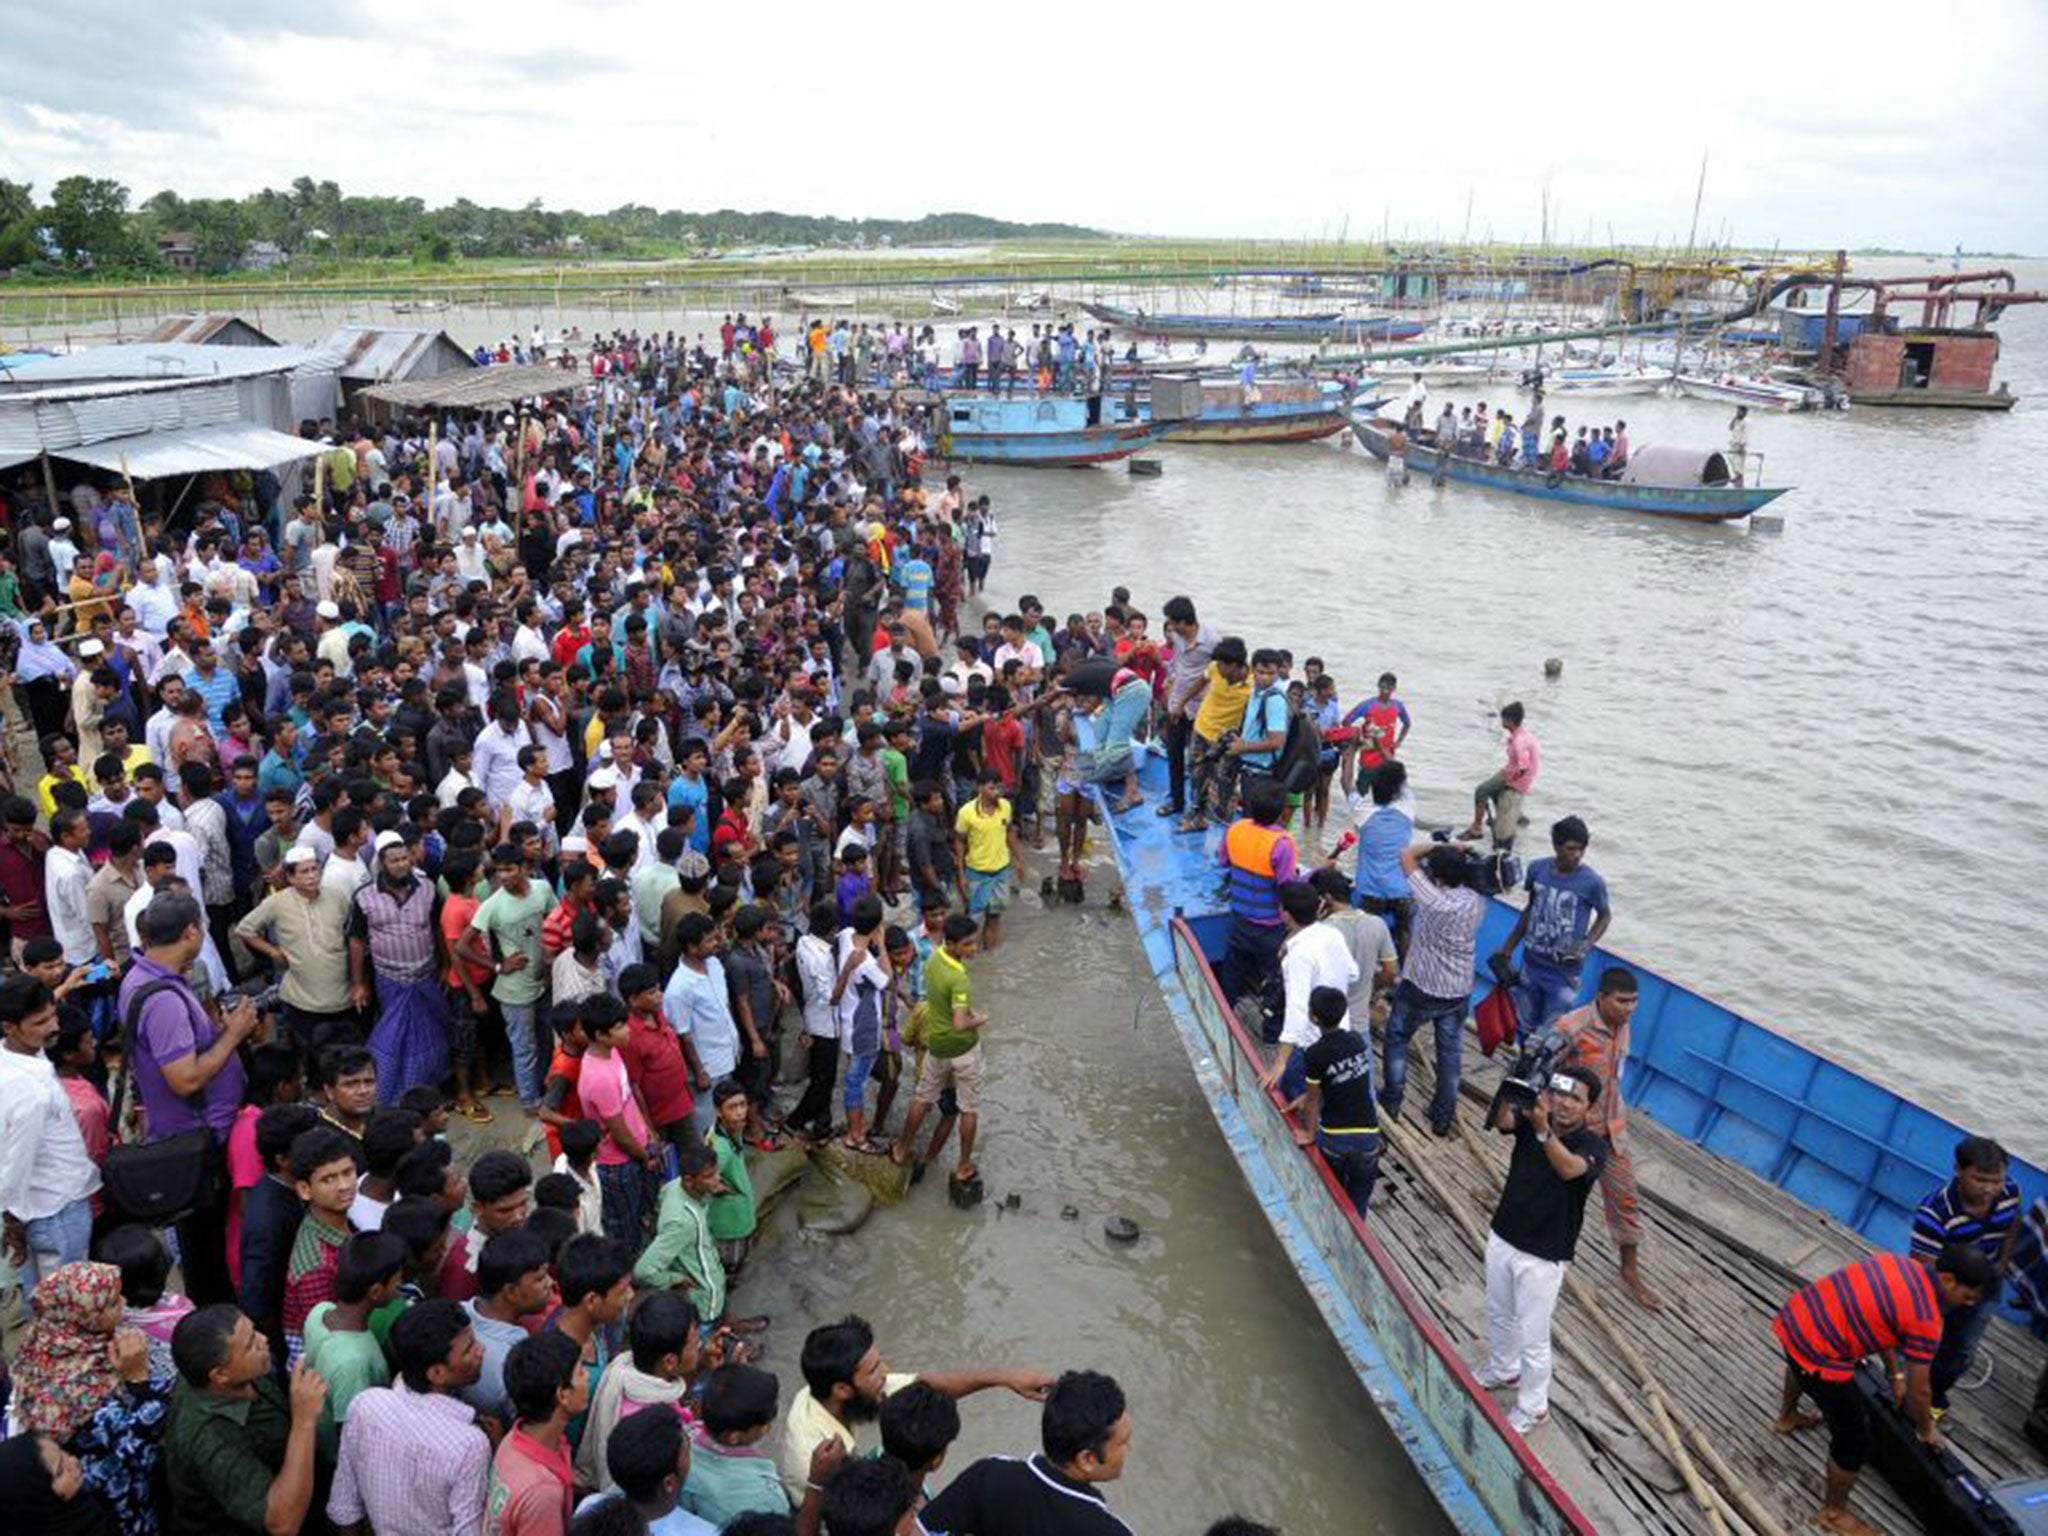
1677	467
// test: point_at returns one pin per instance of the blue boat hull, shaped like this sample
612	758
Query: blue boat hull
1065	447
1828	1137
1700	504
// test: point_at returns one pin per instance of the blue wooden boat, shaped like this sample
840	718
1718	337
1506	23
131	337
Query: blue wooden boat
1674	483
1037	429
1287	411
1295	328
1762	1164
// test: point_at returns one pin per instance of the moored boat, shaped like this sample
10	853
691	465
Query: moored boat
1668	482
1332	326
1051	430
1738	389
1602	381
1762	1166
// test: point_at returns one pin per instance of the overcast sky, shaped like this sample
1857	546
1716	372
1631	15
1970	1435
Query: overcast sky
1874	123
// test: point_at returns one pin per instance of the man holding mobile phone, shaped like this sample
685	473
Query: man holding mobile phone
1535	1232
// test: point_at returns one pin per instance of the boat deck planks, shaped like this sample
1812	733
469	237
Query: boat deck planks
1724	1250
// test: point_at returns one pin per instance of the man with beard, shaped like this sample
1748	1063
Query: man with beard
845	1380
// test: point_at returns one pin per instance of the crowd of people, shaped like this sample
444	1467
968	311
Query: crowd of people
612	779
597	772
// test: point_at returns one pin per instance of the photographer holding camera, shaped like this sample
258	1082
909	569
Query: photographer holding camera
1535	1232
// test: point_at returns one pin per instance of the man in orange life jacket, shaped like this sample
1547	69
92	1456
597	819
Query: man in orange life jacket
1260	858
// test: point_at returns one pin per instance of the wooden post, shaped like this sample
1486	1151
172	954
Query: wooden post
50	483
433	442
519	473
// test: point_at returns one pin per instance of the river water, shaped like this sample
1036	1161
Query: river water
1805	758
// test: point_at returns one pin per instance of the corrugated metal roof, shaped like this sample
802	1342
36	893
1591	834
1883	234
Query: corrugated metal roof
211	330
382	354
89	413
152	362
194	451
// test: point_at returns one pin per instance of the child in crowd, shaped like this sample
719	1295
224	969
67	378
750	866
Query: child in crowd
147	1302
578	1161
732	1215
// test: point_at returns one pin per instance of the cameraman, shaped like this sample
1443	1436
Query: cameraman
1535	1232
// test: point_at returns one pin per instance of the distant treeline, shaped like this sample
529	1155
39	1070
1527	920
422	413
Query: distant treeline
88	224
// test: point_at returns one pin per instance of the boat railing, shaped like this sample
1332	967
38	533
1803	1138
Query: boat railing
1517	1491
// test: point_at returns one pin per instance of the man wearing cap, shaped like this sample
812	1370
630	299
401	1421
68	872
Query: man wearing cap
394	925
332	646
300	930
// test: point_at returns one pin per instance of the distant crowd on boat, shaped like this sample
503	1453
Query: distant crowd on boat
1491	435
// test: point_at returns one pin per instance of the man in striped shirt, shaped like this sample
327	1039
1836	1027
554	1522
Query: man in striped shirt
1979	1208
1887	1305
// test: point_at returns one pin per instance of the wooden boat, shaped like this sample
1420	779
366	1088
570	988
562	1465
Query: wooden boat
1666	482
1295	328
1761	1165
1287	411
1042	429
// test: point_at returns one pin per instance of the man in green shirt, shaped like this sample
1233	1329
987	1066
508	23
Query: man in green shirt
684	1254
240	1452
952	1045
510	917
339	1343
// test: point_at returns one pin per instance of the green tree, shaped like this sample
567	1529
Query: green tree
18	221
88	219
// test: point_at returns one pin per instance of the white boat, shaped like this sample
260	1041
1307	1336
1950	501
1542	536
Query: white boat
1739	389
1602	381
941	305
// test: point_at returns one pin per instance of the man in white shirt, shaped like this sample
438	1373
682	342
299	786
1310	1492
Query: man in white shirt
495	762
47	1179
66	874
155	606
1313	955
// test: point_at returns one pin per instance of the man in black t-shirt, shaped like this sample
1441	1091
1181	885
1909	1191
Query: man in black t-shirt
1085	1431
1337	1112
1555	1162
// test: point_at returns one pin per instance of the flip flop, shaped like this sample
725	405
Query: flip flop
476	1114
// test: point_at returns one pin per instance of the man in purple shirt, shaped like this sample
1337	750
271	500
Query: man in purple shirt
186	1071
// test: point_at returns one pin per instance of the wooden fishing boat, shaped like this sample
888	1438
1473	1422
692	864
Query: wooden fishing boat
1050	430
1761	1165
1286	410
1659	482
1292	328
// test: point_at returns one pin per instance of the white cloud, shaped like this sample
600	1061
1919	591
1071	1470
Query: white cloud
1865	124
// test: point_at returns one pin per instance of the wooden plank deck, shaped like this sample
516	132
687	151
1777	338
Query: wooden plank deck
1724	1249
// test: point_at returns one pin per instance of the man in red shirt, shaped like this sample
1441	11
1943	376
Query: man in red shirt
1890	1306
532	1488
654	1056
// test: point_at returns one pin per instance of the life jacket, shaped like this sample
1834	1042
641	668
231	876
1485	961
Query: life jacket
1254	885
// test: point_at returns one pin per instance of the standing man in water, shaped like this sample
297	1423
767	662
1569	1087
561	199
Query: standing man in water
1499	799
1186	679
1564	916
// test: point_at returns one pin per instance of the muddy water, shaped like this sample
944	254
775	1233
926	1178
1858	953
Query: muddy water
1241	1400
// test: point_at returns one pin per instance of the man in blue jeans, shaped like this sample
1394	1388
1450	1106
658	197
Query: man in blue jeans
1336	1106
1564	916
1980	1208
1436	977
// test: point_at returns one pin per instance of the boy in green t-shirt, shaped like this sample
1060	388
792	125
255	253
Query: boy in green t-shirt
951	1036
892	844
339	1343
731	1214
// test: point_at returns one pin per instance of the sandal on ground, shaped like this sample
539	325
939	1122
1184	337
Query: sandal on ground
867	1146
1170	809
477	1114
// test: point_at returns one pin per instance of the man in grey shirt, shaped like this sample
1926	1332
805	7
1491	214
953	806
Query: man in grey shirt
1187	677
